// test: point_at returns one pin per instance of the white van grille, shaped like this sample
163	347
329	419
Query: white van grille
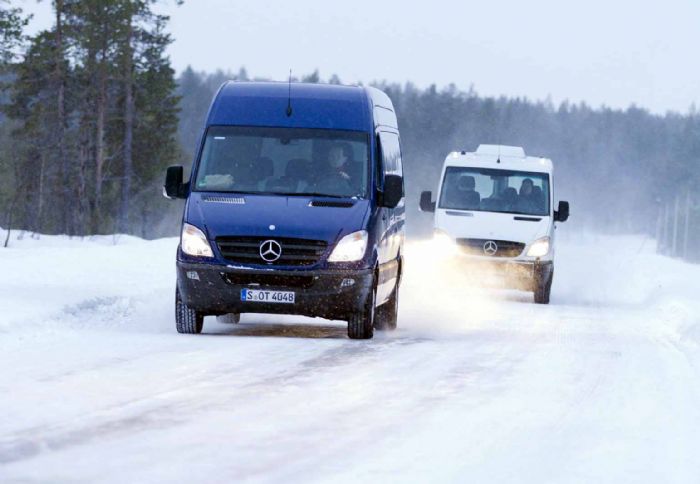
485	247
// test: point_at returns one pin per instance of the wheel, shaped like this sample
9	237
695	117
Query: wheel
230	318
387	314
361	323
543	288
187	320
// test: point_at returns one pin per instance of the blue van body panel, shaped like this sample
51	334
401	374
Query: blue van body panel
315	106
291	217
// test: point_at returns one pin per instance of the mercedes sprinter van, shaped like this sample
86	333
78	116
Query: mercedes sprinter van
495	210
294	205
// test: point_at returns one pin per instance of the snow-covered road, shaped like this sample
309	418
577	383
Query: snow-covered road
477	385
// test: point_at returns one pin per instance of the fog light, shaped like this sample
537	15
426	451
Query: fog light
347	283
193	275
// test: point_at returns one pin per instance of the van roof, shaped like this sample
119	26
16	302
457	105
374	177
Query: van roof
500	157
313	105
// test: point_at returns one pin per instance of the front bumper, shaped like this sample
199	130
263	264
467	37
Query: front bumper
216	289
515	273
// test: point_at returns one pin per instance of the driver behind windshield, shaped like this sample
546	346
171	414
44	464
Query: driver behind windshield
530	199
336	174
286	161
339	156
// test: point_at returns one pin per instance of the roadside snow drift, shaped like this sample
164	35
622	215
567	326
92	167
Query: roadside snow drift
476	385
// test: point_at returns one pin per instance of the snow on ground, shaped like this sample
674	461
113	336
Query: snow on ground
477	385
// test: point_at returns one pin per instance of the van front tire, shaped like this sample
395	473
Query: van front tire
543	288
187	320
361	323
387	314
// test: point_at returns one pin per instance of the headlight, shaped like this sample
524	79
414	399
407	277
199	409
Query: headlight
444	244
350	248
194	242
539	248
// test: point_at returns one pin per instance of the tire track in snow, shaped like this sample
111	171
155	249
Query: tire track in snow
28	443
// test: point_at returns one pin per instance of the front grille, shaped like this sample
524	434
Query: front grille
269	280
295	252
505	248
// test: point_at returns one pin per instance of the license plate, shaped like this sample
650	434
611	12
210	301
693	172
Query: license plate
261	295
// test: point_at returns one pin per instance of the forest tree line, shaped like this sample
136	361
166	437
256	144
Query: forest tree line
90	116
93	114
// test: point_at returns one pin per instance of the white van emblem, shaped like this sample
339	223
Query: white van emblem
490	247
270	250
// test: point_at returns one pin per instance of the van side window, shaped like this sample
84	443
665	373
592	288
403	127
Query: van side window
391	153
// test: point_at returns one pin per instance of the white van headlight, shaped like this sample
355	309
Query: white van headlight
194	242
539	248
443	242
351	248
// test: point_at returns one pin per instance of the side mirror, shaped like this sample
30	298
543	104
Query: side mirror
393	190
174	188
426	202
562	213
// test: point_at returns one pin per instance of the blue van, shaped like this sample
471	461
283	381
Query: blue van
295	205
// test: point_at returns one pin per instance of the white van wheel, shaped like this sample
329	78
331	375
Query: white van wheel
543	288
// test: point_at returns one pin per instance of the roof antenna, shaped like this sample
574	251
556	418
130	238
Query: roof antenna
498	160
289	95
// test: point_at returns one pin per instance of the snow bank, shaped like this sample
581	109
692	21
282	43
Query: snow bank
93	281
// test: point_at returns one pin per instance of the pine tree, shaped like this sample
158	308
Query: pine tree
156	111
12	23
96	112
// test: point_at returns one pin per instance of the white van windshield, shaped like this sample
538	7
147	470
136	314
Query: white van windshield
284	161
489	190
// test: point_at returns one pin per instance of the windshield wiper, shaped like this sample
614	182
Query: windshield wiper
316	194
236	192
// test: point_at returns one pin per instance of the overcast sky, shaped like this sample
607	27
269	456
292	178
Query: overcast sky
601	51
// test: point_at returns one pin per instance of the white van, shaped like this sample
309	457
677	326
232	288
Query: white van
495	206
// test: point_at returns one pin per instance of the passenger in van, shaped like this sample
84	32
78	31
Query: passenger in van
462	194
526	188
510	198
222	173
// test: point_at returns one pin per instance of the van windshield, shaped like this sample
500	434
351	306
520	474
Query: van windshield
489	190
285	161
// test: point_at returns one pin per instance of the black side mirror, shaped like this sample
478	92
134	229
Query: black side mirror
426	202
393	190
174	188
562	213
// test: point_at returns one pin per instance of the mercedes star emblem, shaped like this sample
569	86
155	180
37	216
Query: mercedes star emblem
490	247
270	250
